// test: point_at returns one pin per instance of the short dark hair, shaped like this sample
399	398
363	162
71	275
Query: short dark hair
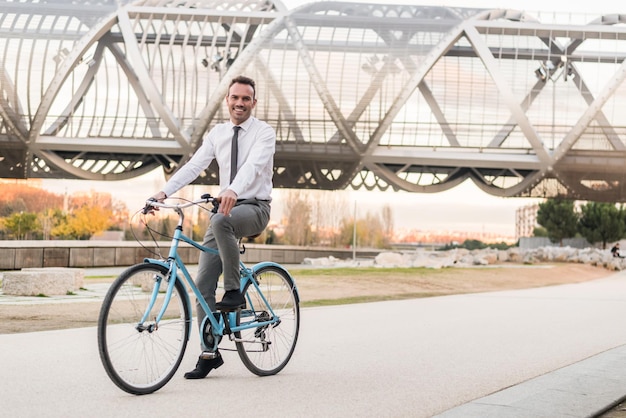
244	80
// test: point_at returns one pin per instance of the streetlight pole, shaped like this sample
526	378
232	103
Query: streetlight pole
19	225
354	235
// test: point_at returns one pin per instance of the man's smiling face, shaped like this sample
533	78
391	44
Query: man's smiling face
240	101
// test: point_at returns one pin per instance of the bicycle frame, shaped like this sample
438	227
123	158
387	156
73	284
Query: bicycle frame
174	263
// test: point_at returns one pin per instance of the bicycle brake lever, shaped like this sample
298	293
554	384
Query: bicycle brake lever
146	209
216	204
213	200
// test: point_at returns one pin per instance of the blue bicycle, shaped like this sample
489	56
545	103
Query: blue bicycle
146	317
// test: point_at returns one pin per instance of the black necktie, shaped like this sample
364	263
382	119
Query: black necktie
234	149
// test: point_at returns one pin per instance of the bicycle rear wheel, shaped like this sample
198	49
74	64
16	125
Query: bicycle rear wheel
266	350
140	358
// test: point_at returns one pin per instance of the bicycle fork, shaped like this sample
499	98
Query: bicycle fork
153	298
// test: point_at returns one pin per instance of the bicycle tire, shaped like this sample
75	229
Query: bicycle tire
266	350
141	361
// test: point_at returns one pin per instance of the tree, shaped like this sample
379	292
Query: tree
473	244
374	235
387	221
199	226
328	210
540	231
601	222
83	223
167	225
25	198
298	214
48	219
10	207
369	232
34	213
21	225
559	219
120	215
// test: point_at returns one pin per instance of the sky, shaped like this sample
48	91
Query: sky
463	208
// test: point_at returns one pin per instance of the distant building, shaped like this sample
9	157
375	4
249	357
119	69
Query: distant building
526	220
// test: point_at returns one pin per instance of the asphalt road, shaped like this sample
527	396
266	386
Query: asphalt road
412	358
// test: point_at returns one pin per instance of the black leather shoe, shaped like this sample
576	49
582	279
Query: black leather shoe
233	299
203	367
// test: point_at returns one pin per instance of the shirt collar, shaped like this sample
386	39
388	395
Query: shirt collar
246	124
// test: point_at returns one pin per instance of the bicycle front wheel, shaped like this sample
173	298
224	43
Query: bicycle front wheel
141	357
265	350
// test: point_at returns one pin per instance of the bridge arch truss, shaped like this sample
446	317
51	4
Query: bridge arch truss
374	96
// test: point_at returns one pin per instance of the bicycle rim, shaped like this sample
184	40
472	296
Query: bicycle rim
266	350
142	361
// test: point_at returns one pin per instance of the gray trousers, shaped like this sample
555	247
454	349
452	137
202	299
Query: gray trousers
248	218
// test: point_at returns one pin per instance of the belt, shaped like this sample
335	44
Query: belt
252	201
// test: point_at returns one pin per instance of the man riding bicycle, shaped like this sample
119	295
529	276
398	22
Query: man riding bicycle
244	149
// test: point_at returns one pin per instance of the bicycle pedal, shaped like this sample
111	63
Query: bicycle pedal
208	355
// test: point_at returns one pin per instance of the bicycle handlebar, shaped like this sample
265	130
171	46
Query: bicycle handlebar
205	198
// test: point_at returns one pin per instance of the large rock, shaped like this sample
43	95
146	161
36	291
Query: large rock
515	255
485	257
322	261
460	257
77	274
503	256
389	259
37	283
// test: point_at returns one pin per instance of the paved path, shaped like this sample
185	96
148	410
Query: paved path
559	350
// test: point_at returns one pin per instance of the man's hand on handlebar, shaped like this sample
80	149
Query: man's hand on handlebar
159	197
227	201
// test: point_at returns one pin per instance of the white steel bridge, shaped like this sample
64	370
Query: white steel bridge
373	96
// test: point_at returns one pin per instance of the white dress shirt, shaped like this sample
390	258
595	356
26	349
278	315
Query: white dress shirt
255	163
